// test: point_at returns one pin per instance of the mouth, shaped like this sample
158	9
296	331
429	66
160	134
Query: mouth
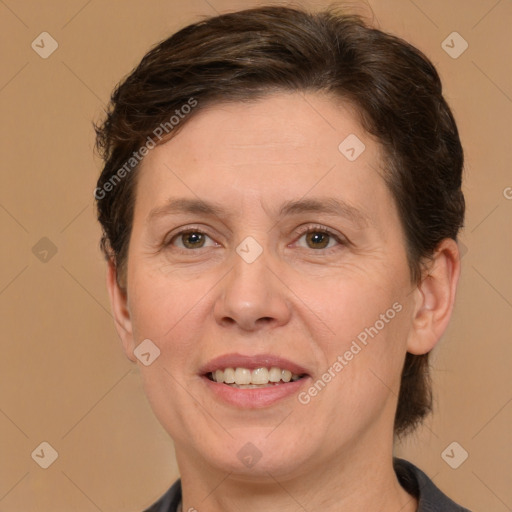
245	378
252	382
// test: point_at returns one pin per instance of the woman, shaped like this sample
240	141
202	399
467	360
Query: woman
280	203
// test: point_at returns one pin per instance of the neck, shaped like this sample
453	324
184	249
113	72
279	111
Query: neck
344	482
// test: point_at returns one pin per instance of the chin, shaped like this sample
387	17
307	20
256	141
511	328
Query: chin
257	457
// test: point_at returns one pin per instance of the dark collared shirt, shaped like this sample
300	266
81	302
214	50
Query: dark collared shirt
412	479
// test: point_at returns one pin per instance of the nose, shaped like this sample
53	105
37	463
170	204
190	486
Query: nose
252	297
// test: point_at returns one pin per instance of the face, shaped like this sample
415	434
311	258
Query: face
259	242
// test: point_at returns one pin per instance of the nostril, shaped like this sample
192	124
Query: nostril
227	320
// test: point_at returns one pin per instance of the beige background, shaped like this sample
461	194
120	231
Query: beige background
64	379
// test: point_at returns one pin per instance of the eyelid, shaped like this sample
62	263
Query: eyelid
168	240
301	230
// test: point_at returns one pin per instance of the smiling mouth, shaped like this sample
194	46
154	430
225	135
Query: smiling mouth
245	378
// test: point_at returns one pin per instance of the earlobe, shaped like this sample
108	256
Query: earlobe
435	298
120	311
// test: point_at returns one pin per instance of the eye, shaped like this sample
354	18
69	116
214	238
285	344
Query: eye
319	238
191	239
313	237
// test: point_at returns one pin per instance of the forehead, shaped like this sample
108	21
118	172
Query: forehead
277	126
281	145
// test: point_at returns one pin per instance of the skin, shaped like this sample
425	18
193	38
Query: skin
296	300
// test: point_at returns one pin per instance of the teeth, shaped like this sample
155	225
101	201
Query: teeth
245	378
259	376
274	374
229	376
286	375
242	376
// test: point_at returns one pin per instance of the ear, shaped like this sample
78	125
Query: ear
435	297
121	313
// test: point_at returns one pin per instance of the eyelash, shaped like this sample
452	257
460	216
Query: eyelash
316	228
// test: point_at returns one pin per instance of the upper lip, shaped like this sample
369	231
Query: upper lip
251	363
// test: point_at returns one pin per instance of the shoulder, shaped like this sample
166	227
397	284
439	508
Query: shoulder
417	483
169	501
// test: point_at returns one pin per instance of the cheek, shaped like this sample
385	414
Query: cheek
362	331
171	314
350	304
161	307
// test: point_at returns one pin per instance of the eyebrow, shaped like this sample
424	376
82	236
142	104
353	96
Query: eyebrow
325	205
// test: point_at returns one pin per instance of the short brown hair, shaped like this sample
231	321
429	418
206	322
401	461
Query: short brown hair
247	54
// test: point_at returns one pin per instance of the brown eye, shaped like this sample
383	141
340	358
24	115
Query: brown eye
317	239
191	239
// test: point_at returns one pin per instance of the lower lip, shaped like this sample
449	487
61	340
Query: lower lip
254	398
